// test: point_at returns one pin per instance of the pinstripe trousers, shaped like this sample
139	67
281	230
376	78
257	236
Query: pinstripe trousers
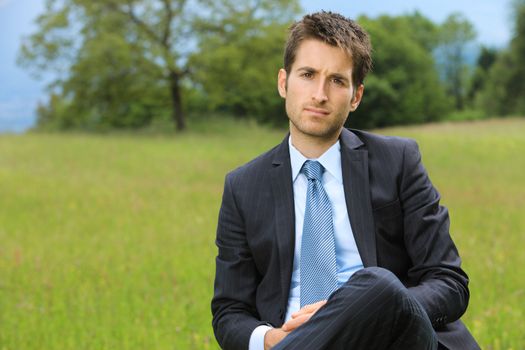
372	311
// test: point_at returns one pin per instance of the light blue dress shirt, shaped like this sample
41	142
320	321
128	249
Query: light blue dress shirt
348	258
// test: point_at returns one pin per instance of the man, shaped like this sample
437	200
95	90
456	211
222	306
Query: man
335	238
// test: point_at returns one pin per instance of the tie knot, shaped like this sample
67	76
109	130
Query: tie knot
313	170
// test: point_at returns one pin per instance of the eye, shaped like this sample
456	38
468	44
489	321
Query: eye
338	81
307	75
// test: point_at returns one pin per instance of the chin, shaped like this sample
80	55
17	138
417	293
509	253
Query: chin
321	132
319	128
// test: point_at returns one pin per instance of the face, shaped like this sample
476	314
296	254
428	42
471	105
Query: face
318	91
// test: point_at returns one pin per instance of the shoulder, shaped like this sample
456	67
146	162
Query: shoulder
392	152
255	167
377	141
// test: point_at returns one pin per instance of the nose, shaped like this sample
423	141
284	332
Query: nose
319	95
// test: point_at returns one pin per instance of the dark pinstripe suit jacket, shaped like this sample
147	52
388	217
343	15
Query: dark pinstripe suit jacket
397	222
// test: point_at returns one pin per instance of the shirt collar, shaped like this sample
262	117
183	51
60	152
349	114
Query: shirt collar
330	160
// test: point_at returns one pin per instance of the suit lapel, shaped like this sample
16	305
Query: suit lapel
357	194
281	176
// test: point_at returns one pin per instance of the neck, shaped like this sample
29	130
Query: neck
310	146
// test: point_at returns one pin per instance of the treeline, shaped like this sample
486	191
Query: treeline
131	63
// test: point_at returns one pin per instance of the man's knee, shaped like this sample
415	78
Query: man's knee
375	280
376	298
380	287
374	273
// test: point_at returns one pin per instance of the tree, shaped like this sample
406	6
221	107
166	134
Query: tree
114	45
121	59
515	84
487	57
124	63
456	33
421	29
504	92
404	87
240	53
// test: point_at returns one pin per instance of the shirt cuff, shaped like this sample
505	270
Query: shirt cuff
257	337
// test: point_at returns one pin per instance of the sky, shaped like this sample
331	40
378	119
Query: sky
20	93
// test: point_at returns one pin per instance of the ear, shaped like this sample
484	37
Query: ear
281	83
358	95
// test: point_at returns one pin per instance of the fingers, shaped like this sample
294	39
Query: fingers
296	322
303	315
309	308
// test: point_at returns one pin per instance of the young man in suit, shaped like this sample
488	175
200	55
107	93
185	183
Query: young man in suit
335	238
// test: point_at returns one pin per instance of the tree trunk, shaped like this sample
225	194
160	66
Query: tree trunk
176	101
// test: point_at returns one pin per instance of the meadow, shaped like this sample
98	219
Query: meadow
107	241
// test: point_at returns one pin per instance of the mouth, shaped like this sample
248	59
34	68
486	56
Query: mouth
321	112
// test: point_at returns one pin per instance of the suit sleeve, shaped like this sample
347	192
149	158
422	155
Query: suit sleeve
236	279
442	287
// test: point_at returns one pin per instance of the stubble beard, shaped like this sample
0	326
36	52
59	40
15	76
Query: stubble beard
308	128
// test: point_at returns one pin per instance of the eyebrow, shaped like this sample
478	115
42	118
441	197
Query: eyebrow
307	69
332	75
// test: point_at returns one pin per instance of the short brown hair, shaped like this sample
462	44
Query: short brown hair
336	30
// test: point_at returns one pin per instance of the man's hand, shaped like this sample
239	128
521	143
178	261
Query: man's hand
303	315
273	336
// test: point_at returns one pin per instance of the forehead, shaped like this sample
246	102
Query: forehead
321	56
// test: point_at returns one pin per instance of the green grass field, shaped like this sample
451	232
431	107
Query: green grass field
107	242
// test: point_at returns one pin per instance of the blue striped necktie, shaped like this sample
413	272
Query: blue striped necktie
318	267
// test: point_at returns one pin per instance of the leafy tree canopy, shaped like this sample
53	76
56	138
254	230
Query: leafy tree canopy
504	92
404	86
124	62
